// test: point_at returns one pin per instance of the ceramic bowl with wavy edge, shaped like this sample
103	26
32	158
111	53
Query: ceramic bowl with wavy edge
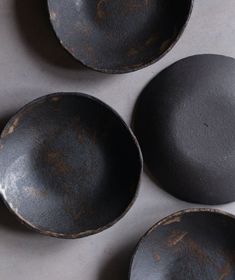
190	244
69	165
119	36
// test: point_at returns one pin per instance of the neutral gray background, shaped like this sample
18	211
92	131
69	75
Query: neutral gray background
32	63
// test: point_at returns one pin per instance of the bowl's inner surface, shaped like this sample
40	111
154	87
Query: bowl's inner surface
198	246
185	124
118	35
69	165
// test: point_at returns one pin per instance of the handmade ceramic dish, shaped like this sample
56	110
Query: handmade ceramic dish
69	165
118	36
185	123
191	244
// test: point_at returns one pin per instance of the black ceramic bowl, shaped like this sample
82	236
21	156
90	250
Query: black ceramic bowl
118	36
185	123
69	165
191	244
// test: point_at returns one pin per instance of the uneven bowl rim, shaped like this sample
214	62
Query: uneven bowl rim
131	69
135	142
171	219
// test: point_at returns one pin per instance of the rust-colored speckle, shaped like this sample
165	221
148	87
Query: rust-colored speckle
86	30
11	128
75	213
94	137
199	252
173	220
72	212
133	66
165	45
15	123
133	7
72	50
157	258
176	237
90	49
56	98
79	130
81	136
101	12
132	52
53	16
225	271
1	146
152	39
35	191
57	160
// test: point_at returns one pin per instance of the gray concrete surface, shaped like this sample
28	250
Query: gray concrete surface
32	63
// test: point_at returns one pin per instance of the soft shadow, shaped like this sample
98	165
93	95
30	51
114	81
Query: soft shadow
118	266
9	221
3	121
34	24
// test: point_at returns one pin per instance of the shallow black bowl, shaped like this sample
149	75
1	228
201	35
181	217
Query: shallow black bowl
191	244
118	36
69	165
185	123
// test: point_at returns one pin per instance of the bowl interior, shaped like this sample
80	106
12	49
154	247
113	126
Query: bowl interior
118	35
69	165
194	245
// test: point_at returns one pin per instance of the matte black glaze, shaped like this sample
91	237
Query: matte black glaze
191	244
118	36
185	123
69	165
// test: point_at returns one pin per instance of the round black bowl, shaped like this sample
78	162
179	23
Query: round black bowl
191	244
118	36
185	123
69	165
